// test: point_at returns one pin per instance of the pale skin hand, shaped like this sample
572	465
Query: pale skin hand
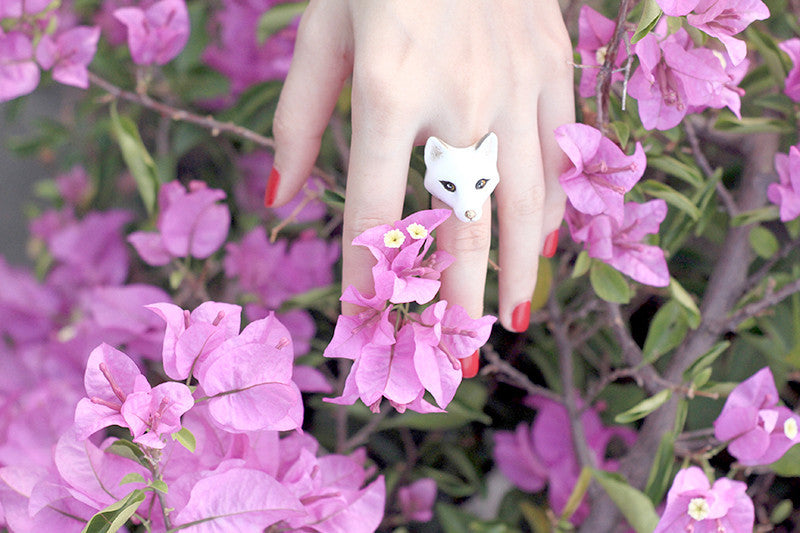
455	69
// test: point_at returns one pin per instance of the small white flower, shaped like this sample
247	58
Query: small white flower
393	238
790	428
417	231
698	508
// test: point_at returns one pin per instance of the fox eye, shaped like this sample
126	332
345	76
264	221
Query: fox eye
449	186
481	183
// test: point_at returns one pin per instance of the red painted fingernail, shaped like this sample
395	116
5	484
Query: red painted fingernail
470	365
550	244
272	187
521	317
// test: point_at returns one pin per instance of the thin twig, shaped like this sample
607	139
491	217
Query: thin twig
215	126
308	197
755	308
705	166
605	75
502	371
366	431
631	353
756	277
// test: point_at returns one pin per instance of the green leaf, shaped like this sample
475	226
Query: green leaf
637	508
789	464
671	166
582	264
609	284
318	298
667	329
650	15
622	131
705	360
682	296
544	282
762	214
661	472
159	485
333	199
671	196
113	517
186	439
133	477
769	51
782	511
763	242
728	122
136	157
577	494
127	449
278	17
454	520
644	408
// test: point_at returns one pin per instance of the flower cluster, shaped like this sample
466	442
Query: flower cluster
542	454
157	33
37	36
241	475
610	229
398	354
237	52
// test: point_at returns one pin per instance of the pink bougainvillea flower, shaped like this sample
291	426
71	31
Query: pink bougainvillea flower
543	454
594	33
118	394
191	337
156	34
151	413
601	173
401	274
19	74
759	429
792	85
693	504
237	53
673	77
18	8
620	245
249	380
724	18
353	332
417	499
786	194
74	186
676	8
69	54
190	223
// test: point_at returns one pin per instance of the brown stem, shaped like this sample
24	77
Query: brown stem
705	166
206	122
502	371
631	352
606	71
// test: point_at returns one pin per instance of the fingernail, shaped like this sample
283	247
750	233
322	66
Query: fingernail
272	187
470	365
521	317
550	244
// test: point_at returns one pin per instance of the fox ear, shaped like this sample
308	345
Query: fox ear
487	146
434	149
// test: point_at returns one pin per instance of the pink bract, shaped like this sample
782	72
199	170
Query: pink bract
759	429
69	55
693	504
156	34
601	172
786	194
18	72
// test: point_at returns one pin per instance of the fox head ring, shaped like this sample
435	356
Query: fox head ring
462	178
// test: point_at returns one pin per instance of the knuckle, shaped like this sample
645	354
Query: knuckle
470	238
526	205
361	223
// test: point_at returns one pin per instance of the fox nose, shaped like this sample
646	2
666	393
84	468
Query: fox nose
470	214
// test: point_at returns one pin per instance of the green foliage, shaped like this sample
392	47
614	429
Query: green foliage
635	506
608	283
137	158
645	407
113	517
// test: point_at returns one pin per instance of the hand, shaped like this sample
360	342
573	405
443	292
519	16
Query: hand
452	69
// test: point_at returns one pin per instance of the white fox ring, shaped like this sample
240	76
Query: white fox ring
462	178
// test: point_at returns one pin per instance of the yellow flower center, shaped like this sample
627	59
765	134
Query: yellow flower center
698	508
393	238
790	428
417	231
600	55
